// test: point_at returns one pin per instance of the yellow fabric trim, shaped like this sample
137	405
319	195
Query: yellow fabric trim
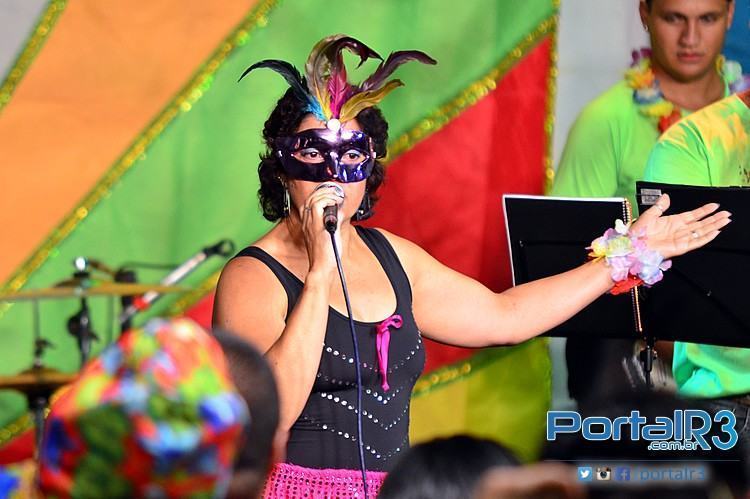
451	373
182	103
186	301
34	44
25	422
549	123
444	114
14	429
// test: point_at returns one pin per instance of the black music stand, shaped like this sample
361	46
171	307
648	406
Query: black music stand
700	299
704	291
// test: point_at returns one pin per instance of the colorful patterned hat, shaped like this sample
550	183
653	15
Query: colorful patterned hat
156	415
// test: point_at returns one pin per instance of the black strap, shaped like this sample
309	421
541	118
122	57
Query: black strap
291	284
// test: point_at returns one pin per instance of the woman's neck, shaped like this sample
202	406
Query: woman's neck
296	239
691	95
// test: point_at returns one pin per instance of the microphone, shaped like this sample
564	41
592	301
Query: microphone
331	213
225	248
331	217
84	263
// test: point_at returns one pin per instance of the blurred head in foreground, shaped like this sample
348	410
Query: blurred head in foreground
254	380
155	415
449	468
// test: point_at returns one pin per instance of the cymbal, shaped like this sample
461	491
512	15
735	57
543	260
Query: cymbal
72	289
36	379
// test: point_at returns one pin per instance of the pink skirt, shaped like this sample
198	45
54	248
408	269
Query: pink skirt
290	481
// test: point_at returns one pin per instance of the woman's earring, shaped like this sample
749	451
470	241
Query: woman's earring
365	208
287	203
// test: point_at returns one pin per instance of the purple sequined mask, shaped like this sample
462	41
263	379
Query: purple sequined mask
321	154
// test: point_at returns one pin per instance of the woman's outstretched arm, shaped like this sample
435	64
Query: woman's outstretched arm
452	308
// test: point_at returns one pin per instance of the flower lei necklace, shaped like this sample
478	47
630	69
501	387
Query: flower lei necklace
650	99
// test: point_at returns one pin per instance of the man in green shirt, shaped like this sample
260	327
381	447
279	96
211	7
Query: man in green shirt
710	148
608	145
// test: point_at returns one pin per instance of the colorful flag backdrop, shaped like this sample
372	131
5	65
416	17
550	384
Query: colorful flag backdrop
126	138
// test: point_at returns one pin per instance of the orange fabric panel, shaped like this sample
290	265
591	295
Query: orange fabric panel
106	70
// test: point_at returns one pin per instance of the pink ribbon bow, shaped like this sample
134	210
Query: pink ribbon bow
383	341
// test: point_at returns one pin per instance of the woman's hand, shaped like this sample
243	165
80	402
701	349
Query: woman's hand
317	239
674	235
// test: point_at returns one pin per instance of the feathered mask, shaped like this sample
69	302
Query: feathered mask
325	91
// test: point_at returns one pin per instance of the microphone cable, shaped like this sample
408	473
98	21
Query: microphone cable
356	361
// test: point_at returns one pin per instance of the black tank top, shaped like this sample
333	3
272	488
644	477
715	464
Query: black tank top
325	434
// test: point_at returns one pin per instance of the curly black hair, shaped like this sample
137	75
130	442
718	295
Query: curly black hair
284	121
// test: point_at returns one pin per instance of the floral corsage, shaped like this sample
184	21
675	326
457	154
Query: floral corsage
630	260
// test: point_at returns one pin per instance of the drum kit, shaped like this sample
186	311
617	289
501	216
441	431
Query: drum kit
38	382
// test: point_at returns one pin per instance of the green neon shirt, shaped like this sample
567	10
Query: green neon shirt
709	148
607	148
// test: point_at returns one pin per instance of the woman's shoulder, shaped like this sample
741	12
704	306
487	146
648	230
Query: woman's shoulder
250	268
248	293
411	255
392	238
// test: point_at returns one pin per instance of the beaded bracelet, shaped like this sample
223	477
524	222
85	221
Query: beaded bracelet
630	260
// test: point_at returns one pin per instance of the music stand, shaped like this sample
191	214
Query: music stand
701	299
548	235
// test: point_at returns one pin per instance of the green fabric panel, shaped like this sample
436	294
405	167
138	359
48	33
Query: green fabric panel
466	38
197	181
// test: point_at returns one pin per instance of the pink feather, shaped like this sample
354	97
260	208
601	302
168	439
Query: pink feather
338	88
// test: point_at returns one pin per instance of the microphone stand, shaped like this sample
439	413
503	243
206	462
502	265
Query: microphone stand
224	248
125	275
79	325
38	399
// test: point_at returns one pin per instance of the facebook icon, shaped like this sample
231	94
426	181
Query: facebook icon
622	474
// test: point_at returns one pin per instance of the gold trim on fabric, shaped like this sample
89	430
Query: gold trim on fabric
33	46
182	103
189	299
457	371
472	94
25	422
447	112
14	429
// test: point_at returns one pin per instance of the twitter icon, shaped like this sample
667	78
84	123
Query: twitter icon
585	474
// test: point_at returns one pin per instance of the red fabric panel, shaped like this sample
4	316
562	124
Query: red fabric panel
445	193
202	311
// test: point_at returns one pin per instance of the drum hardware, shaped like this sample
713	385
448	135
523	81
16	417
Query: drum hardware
38	383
